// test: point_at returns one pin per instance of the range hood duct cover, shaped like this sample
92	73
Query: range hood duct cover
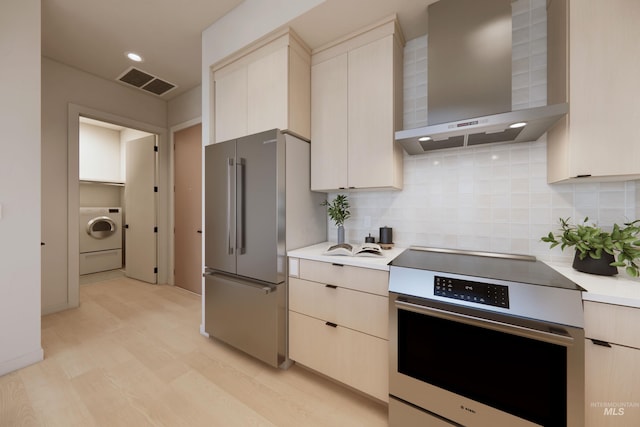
469	83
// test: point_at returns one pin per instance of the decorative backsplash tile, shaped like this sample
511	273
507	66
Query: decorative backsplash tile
491	198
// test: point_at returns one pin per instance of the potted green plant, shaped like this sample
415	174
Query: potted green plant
338	211
596	249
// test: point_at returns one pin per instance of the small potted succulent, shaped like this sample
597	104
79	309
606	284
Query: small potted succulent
338	211
596	249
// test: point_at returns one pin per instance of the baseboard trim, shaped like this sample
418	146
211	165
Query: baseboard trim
56	308
21	361
203	332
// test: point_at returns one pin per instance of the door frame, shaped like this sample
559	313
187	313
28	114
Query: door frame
171	279
75	111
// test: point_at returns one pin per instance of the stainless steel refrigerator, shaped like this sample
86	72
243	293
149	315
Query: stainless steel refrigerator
258	205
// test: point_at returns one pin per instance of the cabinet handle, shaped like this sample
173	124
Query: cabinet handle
600	342
583	176
337	265
333	325
331	286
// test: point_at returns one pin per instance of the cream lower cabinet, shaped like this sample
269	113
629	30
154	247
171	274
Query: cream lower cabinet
356	107
612	363
338	324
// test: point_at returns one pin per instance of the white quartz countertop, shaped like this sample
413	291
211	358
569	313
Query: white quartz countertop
315	253
618	290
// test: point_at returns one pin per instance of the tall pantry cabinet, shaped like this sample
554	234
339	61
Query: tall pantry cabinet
356	107
594	64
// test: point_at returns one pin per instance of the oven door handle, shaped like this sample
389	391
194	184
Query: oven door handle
550	337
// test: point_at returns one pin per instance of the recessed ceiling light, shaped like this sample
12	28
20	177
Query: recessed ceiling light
424	139
518	125
134	57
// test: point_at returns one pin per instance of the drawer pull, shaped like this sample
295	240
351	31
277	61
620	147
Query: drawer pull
331	286
600	342
333	325
337	265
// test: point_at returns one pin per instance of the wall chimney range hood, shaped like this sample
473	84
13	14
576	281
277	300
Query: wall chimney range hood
469	81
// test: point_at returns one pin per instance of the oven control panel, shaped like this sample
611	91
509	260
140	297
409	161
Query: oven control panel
466	290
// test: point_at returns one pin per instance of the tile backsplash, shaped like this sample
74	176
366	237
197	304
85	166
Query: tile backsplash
491	198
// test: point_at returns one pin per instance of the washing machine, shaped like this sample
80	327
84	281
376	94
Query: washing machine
100	239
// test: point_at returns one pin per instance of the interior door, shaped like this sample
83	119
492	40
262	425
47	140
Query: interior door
140	210
188	208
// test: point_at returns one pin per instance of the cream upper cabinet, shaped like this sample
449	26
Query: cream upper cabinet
267	91
594	65
231	103
356	100
265	86
329	109
612	365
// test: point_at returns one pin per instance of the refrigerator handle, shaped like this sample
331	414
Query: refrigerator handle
229	193
240	171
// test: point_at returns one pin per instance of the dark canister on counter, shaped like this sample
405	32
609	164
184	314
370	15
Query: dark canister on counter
386	235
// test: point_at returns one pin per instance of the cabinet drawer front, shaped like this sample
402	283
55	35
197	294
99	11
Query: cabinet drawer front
612	323
357	278
353	358
361	311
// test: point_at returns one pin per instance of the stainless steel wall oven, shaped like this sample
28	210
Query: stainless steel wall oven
483	341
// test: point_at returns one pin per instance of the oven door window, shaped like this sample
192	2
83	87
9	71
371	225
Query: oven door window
520	376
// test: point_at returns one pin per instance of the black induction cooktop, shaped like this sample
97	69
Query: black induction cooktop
514	268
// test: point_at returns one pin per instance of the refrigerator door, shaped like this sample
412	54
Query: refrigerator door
248	315
220	206
260	206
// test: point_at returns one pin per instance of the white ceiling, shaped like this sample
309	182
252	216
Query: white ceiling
94	35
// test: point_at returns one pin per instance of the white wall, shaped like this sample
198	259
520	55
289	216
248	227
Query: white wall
94	195
100	154
185	107
20	184
62	86
492	198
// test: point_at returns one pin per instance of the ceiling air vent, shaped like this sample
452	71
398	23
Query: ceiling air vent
145	81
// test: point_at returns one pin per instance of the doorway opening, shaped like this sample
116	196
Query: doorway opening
118	202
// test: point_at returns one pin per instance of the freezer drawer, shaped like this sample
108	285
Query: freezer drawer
248	315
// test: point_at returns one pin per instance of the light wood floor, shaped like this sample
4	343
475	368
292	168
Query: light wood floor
132	355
